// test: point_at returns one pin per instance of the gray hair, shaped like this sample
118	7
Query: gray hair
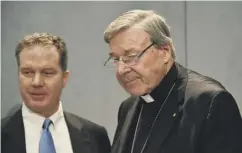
148	20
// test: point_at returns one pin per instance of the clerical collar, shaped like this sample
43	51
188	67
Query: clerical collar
159	93
147	98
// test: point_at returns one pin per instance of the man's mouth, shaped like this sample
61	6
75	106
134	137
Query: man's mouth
129	80
38	96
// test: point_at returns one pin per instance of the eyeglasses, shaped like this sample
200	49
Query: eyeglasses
129	60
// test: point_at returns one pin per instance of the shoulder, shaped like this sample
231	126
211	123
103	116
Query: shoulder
78	121
11	120
5	121
96	132
205	94
201	85
127	103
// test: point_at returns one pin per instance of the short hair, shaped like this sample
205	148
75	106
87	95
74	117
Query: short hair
44	39
148	20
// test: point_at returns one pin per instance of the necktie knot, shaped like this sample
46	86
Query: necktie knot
46	124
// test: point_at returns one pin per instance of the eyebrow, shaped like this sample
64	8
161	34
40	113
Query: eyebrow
29	67
25	68
129	50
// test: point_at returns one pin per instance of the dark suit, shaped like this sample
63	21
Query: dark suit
200	116
86	137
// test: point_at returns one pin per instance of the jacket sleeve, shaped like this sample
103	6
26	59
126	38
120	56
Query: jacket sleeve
222	131
119	124
104	142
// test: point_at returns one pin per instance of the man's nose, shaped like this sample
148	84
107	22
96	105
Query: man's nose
122	68
38	80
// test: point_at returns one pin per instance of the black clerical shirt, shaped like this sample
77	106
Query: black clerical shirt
150	111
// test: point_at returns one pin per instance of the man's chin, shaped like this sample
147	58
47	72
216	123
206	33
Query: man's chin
135	91
37	104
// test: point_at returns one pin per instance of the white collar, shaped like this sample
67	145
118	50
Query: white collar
147	98
37	119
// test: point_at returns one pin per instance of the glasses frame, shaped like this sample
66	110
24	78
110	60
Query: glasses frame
137	57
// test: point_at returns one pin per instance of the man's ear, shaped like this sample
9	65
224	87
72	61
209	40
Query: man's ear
166	50
66	75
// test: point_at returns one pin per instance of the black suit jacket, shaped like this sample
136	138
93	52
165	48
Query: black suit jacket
203	119
86	137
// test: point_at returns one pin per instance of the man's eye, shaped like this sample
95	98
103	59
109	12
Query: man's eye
115	60
132	55
48	73
27	72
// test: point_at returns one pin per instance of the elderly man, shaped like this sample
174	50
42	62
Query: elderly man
41	125
171	109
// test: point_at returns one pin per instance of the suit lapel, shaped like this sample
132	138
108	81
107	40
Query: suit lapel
13	135
121	142
80	138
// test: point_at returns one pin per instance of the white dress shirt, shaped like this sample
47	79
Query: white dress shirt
33	130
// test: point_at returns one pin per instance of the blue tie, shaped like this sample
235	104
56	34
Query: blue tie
46	144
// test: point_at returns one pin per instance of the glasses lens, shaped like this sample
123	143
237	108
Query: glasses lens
130	60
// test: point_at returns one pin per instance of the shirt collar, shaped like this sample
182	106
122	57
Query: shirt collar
37	119
147	98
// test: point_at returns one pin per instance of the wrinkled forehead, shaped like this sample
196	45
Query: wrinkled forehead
129	40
